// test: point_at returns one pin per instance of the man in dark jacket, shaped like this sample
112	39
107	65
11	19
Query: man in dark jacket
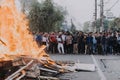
99	46
115	44
89	43
110	43
104	44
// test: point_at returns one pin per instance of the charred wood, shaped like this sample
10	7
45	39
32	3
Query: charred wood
18	71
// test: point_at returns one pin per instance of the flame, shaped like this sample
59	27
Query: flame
14	35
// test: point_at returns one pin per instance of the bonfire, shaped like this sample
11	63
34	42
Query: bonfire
20	56
18	51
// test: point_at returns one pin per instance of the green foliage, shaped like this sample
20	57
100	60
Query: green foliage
117	22
114	24
45	17
105	23
106	26
98	25
111	24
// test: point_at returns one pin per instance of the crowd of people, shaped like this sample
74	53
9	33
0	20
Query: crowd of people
102	43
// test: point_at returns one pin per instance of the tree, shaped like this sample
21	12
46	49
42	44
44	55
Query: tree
111	24
106	24
117	23
98	25
86	26
45	17
114	24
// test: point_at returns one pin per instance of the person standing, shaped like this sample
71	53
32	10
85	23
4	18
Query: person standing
64	41
99	43
104	44
75	43
80	43
94	44
39	39
110	43
53	42
69	43
89	43
115	43
118	39
85	43
60	45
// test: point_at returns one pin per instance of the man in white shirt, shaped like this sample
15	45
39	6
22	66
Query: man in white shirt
60	43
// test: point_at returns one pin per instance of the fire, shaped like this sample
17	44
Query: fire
15	38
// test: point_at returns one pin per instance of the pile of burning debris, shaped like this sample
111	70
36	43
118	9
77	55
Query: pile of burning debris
20	57
25	67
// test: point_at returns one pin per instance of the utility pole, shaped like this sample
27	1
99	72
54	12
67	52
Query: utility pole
101	15
95	16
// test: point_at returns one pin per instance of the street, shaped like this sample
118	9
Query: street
107	67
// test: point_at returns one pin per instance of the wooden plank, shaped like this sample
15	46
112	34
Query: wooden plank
48	78
23	74
48	70
18	71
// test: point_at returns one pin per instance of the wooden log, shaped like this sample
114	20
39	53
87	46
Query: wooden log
23	74
48	78
16	75
44	63
18	71
34	71
3	42
48	70
18	62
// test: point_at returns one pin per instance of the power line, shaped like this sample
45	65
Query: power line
107	2
113	5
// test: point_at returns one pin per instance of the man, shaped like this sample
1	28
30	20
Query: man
53	42
75	43
104	43
90	42
60	45
110	43
81	49
39	39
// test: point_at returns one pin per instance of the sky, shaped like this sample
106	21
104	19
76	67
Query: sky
78	10
82	10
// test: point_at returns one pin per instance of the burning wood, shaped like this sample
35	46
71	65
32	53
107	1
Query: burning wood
23	74
20	56
20	70
32	67
3	42
43	67
48	78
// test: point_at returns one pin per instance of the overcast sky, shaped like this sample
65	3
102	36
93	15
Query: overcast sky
79	10
82	10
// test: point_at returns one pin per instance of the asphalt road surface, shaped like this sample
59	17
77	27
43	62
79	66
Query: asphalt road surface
107	67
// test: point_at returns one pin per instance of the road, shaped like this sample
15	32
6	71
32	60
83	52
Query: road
107	67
